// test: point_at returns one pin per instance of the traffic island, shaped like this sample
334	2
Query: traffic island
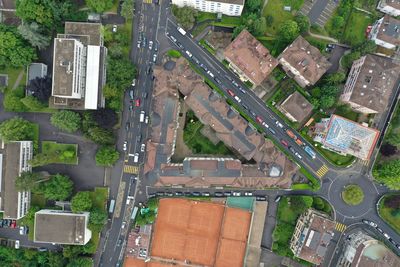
352	195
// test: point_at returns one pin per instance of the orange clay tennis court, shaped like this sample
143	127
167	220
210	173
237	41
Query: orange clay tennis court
197	231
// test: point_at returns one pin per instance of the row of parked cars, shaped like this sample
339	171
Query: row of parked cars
206	194
8	223
373	224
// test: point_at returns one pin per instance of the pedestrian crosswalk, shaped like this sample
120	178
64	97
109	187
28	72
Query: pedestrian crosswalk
148	1
364	162
340	227
322	171
131	169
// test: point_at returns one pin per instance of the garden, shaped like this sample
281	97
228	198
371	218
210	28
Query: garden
61	153
147	213
352	195
276	15
389	210
289	209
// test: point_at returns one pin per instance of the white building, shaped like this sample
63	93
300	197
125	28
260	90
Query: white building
386	32
391	7
226	7
14	158
62	227
79	73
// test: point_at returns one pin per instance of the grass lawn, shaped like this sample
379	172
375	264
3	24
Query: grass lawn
354	33
204	44
274	8
13	75
335	158
352	195
174	53
35	137
99	199
38	200
202	16
114	7
54	148
390	215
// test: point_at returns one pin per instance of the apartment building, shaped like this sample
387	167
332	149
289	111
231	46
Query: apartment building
303	62
62	227
311	236
226	7
79	69
390	7
14	159
370	84
386	32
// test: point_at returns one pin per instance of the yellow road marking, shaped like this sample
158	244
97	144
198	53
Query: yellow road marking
131	169
322	171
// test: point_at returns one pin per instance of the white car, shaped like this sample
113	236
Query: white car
238	99
249	194
236	194
142	147
154	58
151	45
21	230
133	82
123	225
124	147
16	244
146	120
265	125
114	28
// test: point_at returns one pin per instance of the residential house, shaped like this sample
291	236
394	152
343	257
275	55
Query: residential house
14	160
390	7
370	84
345	137
303	62
386	32
226	7
79	69
312	235
296	107
62	227
249	58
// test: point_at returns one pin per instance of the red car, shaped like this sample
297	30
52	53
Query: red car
259	120
13	224
283	142
231	93
137	102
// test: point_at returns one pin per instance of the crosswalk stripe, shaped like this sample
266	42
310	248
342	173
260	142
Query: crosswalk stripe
322	171
340	227
131	169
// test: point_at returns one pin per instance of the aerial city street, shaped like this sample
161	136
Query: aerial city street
151	133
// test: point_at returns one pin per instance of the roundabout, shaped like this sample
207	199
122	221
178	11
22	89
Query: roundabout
352	195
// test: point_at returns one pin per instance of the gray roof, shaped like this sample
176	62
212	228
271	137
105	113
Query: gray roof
11	172
91	30
36	70
64	67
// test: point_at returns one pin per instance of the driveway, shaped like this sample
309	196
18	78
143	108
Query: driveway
335	57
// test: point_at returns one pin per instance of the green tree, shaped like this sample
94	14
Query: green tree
388	173
28	181
289	31
338	22
41	11
253	6
335	78
186	16
120	73
66	120
127	9
59	187
327	101
269	20
106	156
238	30
259	26
100	136
12	102
16	129
303	22
41	159
34	34
81	261
98	217
81	202
14	50
99	6
32	103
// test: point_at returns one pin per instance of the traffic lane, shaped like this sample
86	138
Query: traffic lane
312	164
216	65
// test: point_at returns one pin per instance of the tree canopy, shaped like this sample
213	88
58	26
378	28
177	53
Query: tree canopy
289	31
388	172
105	117
14	50
34	34
66	120
40	88
81	202
99	6
98	216
303	22
100	135
59	187
106	156
186	16
16	129
127	9
28	181
120	73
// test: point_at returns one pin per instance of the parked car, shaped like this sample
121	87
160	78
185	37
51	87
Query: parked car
238	99
248	194
170	194
196	194
151	45
160	194
241	90
379	230
137	102
142	147
131	94
13	224
133	82
178	194
21	230
227	194
114	28
259	120
261	198
156	47
188	194
244	106
369	223
236	194
386	236
279	124
123	225
277	199
231	93
205	194
16	244
125	145
127	125
42	249
155	58
284	142
218	194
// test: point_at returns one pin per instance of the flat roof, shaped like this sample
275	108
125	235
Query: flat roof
92	71
92	30
11	171
54	226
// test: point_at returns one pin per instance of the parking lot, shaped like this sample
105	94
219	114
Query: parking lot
318	11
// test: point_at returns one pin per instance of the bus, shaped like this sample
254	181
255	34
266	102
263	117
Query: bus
181	31
310	151
134	212
112	205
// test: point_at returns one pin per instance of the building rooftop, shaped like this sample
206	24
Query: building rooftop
233	2
202	233
251	57
306	59
388	30
316	232
91	30
392	3
36	70
61	227
375	82
63	67
297	107
350	137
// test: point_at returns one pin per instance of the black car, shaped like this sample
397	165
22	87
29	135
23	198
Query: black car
228	77
245	107
217	80
1	223
203	67
156	47
187	194
292	149
148	69
195	59
160	194
227	194
180	45
219	194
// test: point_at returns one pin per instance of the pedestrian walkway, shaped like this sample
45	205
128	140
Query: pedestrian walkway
340	227
322	171
131	169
